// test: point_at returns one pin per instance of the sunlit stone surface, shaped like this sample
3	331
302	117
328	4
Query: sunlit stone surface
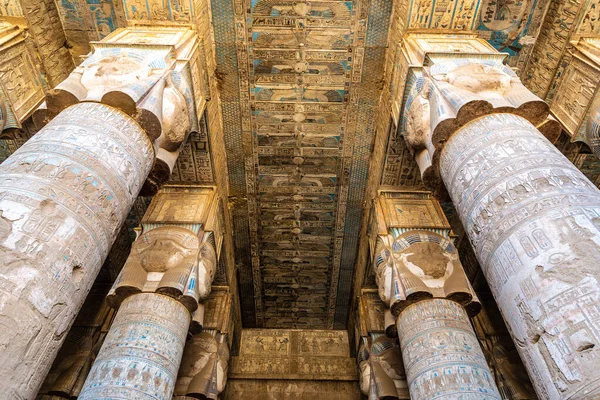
63	198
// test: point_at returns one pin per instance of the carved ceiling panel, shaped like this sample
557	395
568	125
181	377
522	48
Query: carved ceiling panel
300	113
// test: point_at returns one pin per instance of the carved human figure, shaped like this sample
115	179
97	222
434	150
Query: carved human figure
168	260
204	367
441	354
63	199
420	264
380	366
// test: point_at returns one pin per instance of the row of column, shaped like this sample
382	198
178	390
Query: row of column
532	217
117	125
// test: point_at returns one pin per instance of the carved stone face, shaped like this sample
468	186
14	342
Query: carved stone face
175	122
478	78
163	254
417	125
113	72
430	262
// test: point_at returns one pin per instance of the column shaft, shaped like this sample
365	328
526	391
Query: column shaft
441	354
141	354
534	222
63	197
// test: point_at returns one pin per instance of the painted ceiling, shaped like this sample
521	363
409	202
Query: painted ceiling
299	93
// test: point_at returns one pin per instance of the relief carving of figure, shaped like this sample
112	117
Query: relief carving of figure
381	370
418	265
203	371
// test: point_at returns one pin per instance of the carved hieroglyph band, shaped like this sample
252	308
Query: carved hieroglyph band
142	351
534	222
441	354
63	197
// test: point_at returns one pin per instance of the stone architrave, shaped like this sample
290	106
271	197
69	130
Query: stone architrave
63	198
532	217
421	279
168	273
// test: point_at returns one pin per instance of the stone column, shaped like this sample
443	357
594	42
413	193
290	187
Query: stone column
141	354
534	222
170	269
532	218
441	354
429	295
63	197
422	281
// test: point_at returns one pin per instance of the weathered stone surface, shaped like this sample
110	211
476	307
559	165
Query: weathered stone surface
63	198
294	354
534	222
141	354
21	90
244	389
381	369
204	367
441	353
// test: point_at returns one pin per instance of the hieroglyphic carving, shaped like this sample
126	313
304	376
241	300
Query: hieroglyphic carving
293	354
11	8
88	20
142	351
134	69
550	46
194	163
173	257
441	354
413	254
443	14
592	129
415	262
575	94
500	351
155	10
74	360
421	264
535	226
512	27
63	198
250	389
168	260
48	36
589	19
291	103
21	90
445	96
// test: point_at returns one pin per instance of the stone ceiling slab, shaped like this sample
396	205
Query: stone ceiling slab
298	111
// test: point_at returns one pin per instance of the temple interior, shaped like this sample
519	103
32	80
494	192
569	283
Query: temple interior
299	199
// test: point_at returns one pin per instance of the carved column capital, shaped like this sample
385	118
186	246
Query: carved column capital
146	73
